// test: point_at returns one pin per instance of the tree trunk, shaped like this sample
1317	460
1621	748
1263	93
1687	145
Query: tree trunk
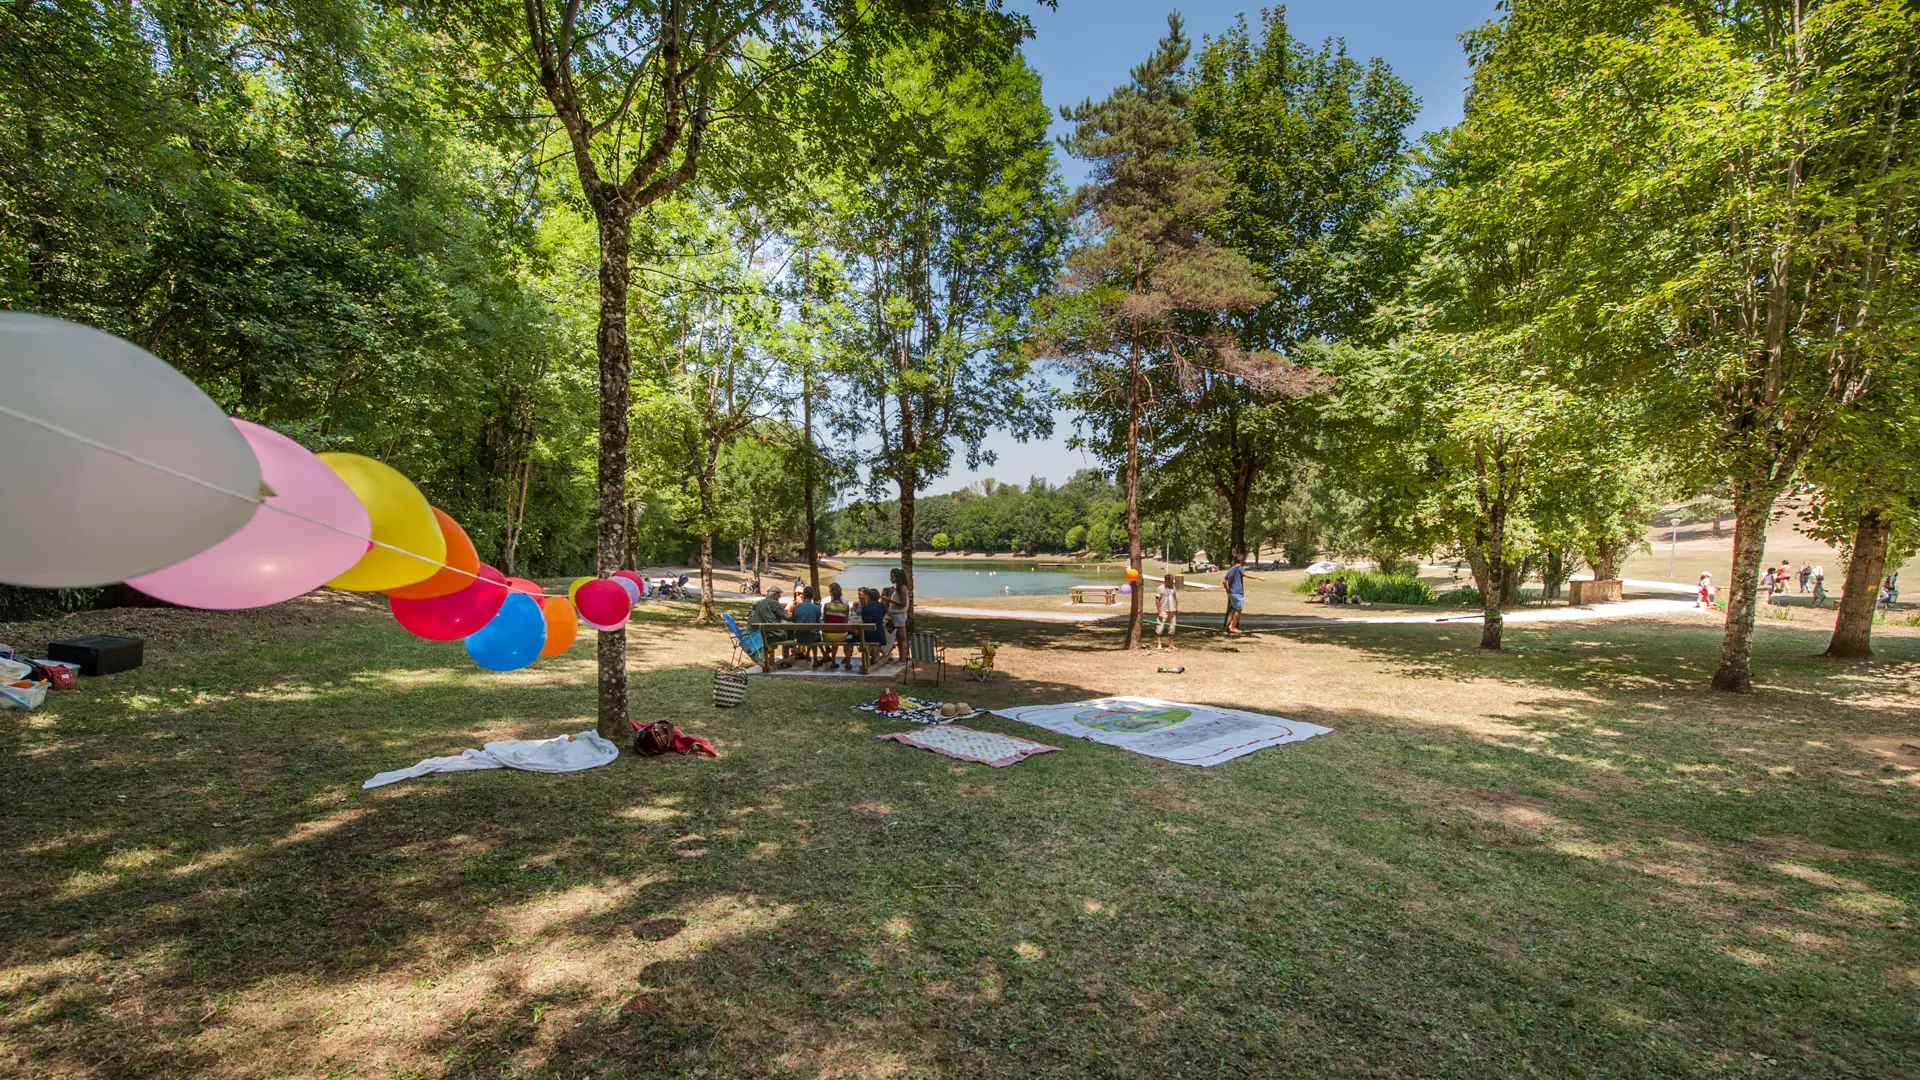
1853	628
806	468
1735	674
616	366
706	581
1494	591
1237	523
909	515
1133	494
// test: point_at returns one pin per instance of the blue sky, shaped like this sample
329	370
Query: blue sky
1086	47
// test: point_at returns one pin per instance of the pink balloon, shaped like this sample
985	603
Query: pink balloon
456	615
602	604
275	556
632	588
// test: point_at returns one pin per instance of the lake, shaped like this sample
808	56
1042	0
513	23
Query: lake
974	578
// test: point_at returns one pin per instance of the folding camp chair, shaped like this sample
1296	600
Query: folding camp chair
924	648
980	665
753	645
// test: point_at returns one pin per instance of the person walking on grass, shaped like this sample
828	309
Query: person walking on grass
1235	582
1703	591
1806	571
1166	604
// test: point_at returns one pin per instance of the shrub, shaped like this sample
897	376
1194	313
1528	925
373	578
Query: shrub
1468	596
941	542
1376	588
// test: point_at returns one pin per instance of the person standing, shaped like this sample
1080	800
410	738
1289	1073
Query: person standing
1703	590
1235	582
1166	604
897	606
1806	572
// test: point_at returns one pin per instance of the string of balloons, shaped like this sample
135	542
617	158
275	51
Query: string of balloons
151	483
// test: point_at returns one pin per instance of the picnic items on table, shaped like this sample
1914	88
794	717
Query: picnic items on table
729	688
660	737
967	744
562	753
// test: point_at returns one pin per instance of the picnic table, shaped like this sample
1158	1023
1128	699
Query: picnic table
1077	594
869	650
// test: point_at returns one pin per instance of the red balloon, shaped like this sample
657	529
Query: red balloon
630	575
602	603
456	615
521	584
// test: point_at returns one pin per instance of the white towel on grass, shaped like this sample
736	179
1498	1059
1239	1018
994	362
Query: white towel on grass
562	753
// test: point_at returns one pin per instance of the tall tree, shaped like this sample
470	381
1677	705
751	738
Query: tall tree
1148	291
1311	144
948	235
1744	172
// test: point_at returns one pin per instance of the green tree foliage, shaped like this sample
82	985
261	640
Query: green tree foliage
1146	296
1311	145
1738	179
947	233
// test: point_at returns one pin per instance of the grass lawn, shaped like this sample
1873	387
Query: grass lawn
1569	860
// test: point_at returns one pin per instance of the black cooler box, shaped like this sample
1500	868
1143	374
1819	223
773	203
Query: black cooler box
98	654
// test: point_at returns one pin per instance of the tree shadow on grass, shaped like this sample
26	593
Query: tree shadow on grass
1359	905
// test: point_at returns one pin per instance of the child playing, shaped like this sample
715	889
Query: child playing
1166	602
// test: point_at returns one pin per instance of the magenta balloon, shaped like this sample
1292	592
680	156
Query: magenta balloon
456	615
603	604
275	556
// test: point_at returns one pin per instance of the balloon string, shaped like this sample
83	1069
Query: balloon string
253	499
127	455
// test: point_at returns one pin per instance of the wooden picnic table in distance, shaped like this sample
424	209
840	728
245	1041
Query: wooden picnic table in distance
1077	594
868	649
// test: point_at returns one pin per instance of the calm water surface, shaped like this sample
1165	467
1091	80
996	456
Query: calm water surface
975	578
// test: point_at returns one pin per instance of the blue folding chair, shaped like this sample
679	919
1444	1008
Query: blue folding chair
754	645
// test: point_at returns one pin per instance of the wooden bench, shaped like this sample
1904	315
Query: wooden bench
870	651
1077	594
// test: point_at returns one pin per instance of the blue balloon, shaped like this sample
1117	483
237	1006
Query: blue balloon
513	639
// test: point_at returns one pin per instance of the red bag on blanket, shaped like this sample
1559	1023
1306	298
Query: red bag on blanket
659	737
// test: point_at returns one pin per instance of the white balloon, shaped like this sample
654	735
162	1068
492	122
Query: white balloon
94	517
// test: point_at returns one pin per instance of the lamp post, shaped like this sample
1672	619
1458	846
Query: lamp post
1673	546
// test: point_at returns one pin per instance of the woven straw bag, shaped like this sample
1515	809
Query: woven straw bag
729	688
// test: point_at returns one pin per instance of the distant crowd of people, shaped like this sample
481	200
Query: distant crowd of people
1334	590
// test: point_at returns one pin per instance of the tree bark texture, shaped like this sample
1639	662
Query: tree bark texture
616	370
706	580
1133	496
1853	627
1750	509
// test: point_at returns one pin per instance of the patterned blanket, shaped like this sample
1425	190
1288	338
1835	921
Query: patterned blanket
918	711
966	744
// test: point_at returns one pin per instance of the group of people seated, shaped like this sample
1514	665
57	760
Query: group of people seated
882	613
1332	591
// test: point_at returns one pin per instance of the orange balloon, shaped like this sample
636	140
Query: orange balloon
520	584
462	563
562	625
1132	574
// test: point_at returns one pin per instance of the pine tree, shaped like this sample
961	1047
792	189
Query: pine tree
1147	293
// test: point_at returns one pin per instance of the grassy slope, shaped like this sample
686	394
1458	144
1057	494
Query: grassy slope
1567	862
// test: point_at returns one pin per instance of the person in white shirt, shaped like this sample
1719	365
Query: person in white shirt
1166	603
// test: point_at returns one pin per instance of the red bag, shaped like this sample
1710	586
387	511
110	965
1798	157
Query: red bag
59	675
889	701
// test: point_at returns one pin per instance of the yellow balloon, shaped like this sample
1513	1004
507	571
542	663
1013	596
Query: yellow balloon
400	516
575	587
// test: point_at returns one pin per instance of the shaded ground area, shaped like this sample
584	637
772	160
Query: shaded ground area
1568	860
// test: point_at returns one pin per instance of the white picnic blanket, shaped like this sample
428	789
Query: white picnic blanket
1175	731
562	753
